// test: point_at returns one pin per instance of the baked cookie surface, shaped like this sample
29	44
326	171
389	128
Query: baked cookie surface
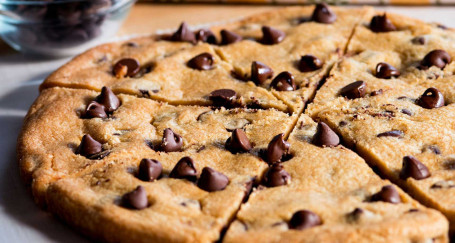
202	135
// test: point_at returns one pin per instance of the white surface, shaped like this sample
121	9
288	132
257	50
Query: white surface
20	219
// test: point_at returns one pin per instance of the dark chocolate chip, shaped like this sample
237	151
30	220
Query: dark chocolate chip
355	214
304	219
377	92
276	176
438	58
202	61
271	36
431	98
419	40
172	142
184	169
277	148
354	90
387	194
108	99
223	97
393	133
206	35
136	199
238	142
150	170
386	71
284	82
381	24
412	167
95	110
323	14
407	112
126	67
89	146
260	72
325	136
184	34
309	63
432	148
229	37
212	180
248	188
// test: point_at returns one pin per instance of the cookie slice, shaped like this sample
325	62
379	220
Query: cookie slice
332	194
308	48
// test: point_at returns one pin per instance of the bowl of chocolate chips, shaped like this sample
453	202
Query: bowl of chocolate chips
60	27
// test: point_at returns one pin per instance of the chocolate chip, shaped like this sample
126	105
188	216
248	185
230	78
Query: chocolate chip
212	180
325	136
184	169
136	199
223	97
419	40
271	36
407	112
386	71
127	67
260	72
202	61
238	142
184	34
205	35
309	63
248	188
393	133
276	176
431	98
387	194
284	82
443	185
95	110
108	99
355	214
172	142
381	24
438	58
229	37
304	219
432	148
377	92
323	14
354	90
277	148
89	146
150	170
412	167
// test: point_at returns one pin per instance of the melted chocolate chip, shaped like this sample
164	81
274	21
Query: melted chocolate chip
205	35
172	142
184	169
304	219
407	112
386	71
323	14
412	167
136	199
309	63
393	133
223	97
229	37
355	214
354	90
238	142
202	61
284	82
381	24
276	176
212	180
248	188
108	99
260	72
419	40
150	170
271	36
438	58
387	194
277	148
431	98
95	110
325	136
127	67
432	148
89	146
184	34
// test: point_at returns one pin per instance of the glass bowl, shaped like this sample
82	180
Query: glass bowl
60	27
